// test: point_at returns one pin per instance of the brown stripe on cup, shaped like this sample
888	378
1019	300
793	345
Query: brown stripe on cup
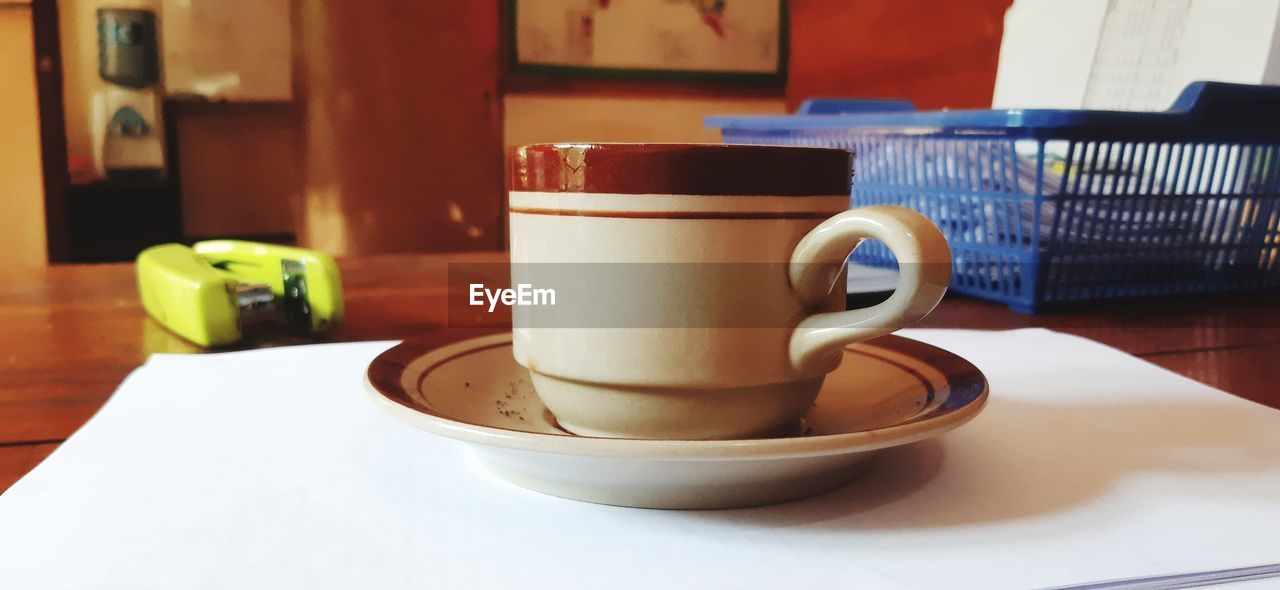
681	169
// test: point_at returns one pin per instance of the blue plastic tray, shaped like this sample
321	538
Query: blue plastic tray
1051	206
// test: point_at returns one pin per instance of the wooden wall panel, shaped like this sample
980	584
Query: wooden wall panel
22	224
241	167
563	117
937	53
403	126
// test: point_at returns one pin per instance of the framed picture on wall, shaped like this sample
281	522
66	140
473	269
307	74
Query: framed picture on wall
721	40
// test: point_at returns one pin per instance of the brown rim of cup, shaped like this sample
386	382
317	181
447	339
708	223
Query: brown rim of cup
680	169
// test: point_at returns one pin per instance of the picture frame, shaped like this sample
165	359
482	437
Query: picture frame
730	41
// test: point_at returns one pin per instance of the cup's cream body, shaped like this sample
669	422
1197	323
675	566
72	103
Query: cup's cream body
725	355
695	380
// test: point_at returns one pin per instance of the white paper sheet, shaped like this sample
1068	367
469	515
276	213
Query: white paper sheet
1131	54
1046	53
870	279
272	469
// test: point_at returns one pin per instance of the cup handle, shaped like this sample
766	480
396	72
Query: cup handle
924	262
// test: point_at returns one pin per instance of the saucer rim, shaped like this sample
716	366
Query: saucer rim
907	432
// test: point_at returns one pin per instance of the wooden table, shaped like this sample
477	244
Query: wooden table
70	334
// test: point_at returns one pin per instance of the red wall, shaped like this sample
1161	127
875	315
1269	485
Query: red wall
938	53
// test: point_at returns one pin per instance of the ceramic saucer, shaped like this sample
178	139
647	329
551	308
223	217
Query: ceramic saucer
887	392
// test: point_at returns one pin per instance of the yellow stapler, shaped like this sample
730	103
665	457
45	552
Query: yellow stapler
208	292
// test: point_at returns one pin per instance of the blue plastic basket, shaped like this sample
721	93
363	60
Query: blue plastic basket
1043	207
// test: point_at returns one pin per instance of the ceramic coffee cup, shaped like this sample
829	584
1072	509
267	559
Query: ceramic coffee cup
779	215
